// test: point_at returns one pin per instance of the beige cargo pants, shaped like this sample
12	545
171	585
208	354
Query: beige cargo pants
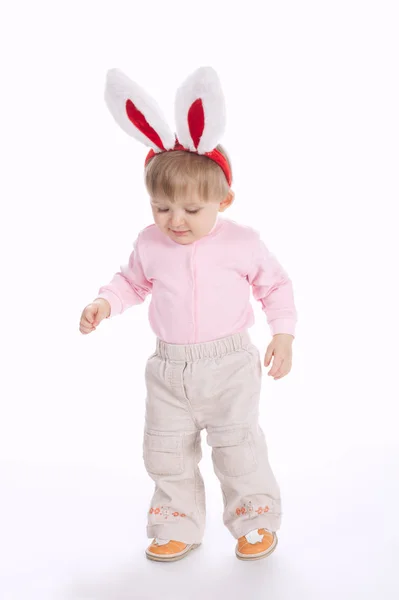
216	386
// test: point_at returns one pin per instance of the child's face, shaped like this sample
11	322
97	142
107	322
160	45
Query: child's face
188	220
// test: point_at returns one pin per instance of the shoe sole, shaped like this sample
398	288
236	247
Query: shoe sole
249	557
173	557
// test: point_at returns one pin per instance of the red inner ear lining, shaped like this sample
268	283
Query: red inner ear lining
196	121
138	119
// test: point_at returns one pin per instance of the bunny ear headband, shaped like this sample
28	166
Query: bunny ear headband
199	114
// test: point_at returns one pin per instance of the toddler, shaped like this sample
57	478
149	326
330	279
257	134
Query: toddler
205	372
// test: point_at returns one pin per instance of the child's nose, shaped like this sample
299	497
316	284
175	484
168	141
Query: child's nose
177	219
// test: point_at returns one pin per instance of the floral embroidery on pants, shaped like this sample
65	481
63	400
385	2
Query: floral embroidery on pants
165	513
248	509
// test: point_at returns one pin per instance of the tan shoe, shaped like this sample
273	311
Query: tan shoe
168	550
256	544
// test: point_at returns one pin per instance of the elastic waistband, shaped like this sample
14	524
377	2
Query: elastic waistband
215	349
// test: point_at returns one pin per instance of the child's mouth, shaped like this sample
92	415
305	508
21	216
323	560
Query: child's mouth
179	232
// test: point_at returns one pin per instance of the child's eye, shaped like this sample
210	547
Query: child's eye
190	212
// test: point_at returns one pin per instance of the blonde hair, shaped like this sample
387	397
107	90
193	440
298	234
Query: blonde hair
176	174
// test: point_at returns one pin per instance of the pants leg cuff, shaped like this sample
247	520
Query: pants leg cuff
240	528
187	534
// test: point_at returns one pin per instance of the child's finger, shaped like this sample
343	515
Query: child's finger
280	373
91	312
277	363
90	318
268	357
87	323
85	329
283	371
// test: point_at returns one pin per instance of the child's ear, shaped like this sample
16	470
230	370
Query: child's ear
228	201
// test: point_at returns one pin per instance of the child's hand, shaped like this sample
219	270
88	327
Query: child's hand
93	314
281	348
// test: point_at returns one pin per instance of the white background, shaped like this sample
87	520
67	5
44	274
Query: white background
312	131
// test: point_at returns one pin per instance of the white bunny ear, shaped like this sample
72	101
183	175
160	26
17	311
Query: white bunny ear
136	112
200	111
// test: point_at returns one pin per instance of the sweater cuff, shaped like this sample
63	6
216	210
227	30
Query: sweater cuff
282	326
114	301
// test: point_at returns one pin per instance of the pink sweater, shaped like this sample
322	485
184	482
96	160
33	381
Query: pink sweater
201	291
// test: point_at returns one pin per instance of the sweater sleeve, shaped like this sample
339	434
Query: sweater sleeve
129	286
273	288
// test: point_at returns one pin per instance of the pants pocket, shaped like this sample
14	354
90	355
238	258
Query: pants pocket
233	451
163	454
254	354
